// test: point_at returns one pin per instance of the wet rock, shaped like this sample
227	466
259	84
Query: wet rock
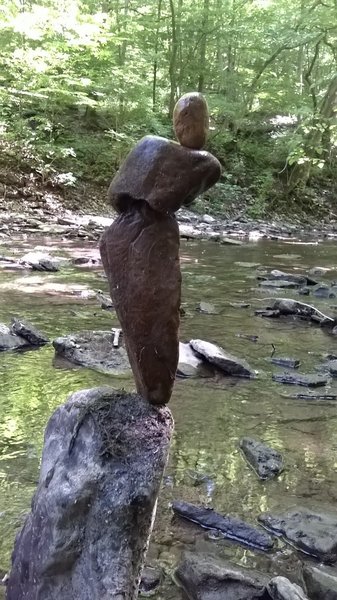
316	396
247	336
207	308
318	271
29	332
227	363
280	588
94	350
320	582
206	577
289	363
8	341
189	364
40	261
88	529
311	380
323	291
279	283
277	275
230	527
332	366
151	580
191	120
287	306
266	462
314	533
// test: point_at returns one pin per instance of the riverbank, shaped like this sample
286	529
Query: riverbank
29	208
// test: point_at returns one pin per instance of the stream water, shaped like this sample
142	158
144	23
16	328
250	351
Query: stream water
210	415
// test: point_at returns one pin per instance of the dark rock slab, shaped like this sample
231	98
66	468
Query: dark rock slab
88	529
29	332
230	527
279	283
314	533
266	462
151	580
310	380
94	350
206	577
297	278
280	588
289	363
320	582
227	363
316	396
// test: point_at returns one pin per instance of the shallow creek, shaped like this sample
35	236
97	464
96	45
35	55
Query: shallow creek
210	415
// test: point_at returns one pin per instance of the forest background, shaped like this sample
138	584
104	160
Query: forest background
82	81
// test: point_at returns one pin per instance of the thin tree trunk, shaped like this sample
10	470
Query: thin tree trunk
173	59
155	62
203	45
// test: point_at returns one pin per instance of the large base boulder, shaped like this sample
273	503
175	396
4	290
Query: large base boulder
91	517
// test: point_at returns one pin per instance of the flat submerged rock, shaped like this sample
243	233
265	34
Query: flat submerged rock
94	350
266	462
313	533
230	527
310	380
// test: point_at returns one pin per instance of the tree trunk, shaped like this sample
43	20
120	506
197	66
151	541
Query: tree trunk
173	59
203	45
155	62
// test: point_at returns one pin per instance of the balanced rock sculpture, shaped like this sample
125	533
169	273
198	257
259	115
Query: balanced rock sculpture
140	250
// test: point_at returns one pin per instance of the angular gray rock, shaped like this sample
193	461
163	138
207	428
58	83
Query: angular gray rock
314	533
280	588
266	462
189	364
230	527
310	380
320	582
206	577
29	332
94	350
88	529
283	361
287	306
227	363
10	341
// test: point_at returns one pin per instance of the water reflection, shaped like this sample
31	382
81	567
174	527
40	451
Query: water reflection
210	417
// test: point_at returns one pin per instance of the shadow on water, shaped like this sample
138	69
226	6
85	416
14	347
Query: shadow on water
210	415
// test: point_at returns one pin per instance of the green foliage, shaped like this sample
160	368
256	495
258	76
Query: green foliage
81	82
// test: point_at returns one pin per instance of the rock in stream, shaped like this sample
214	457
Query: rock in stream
225	362
313	533
266	462
320	582
230	527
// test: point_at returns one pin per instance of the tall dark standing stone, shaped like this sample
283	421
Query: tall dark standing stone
105	451
140	250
